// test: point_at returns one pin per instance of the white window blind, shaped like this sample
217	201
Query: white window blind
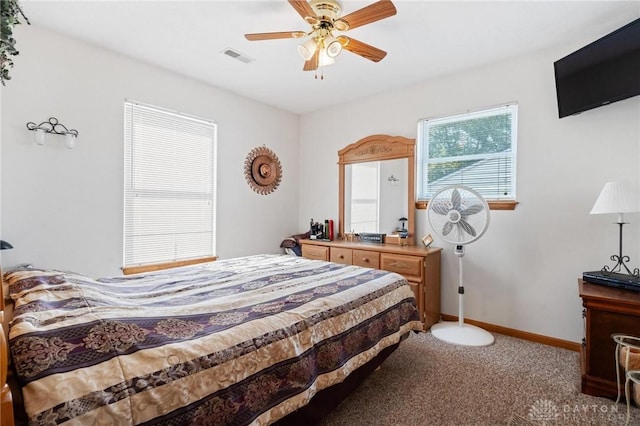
170	186
475	149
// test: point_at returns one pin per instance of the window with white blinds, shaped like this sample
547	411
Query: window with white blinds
170	186
475	149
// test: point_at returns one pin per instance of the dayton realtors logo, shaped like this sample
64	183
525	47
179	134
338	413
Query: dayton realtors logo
547	412
544	411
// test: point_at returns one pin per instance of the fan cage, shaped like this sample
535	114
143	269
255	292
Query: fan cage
458	214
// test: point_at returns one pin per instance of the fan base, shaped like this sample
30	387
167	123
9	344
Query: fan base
467	334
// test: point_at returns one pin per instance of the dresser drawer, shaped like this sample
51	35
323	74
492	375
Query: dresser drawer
341	255
409	266
315	252
366	258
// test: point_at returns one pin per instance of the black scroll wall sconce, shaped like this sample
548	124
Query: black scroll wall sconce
52	126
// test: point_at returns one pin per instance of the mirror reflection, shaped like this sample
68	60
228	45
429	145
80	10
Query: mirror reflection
375	196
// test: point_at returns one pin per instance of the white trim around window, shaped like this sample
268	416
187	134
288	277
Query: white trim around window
476	149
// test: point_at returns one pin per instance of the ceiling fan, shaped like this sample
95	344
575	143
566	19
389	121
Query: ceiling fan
324	16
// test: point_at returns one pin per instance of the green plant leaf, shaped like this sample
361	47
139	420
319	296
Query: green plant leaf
10	15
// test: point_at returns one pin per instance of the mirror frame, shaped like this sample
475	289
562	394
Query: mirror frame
375	148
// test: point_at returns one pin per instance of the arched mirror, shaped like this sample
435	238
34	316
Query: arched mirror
377	190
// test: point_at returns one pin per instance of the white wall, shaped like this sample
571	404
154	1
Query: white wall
63	208
523	273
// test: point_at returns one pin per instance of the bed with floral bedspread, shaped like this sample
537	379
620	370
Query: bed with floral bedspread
238	341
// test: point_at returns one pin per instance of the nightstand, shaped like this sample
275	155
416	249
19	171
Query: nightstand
607	311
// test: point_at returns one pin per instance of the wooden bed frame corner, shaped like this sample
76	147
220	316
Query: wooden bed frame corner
6	400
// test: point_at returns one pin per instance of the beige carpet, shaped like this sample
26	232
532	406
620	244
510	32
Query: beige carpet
512	382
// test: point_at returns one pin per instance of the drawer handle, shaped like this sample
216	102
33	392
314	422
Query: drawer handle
341	256
365	260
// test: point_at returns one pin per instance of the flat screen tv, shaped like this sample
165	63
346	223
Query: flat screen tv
605	71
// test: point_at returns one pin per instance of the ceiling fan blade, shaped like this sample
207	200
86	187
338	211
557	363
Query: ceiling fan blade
273	36
374	12
363	49
312	64
304	10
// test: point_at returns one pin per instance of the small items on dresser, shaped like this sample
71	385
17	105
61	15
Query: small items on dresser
403	232
396	239
371	237
319	231
400	236
351	237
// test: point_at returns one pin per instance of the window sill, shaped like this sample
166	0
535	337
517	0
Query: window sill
127	270
493	205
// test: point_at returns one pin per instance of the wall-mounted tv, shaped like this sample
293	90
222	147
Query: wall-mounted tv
605	71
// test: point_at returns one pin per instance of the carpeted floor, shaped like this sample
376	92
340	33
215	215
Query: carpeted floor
512	382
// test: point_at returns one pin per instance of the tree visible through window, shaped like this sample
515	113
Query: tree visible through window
475	149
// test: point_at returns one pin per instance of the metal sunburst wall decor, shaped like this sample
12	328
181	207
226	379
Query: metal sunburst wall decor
262	170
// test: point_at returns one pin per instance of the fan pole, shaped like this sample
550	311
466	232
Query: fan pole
460	295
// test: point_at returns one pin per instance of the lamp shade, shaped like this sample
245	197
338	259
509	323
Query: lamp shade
69	140
332	46
308	49
39	136
324	59
616	197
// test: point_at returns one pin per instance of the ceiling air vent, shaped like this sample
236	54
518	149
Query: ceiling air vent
237	55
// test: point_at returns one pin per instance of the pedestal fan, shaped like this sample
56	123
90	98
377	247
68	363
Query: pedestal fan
459	215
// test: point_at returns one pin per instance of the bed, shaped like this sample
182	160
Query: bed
251	340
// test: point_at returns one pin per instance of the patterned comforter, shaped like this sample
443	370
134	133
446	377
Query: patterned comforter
239	341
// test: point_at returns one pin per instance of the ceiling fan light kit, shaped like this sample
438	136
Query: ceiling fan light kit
308	49
324	16
332	46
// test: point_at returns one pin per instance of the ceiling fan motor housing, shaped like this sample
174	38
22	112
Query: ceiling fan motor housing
326	9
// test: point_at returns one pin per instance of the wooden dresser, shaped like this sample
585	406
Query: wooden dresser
606	311
419	265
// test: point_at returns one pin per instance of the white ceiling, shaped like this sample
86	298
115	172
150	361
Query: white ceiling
425	39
